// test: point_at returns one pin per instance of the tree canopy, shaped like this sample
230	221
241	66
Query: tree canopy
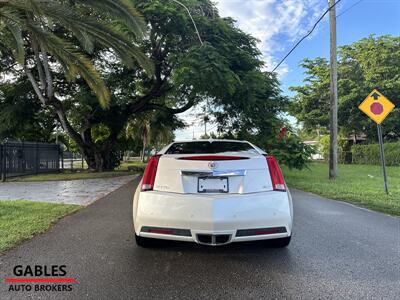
45	27
372	62
226	69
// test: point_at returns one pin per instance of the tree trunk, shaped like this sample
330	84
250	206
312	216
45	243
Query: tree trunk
98	160
143	150
144	140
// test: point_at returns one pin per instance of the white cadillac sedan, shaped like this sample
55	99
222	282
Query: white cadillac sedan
212	192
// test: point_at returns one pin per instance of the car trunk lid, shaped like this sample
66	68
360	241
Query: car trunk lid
233	173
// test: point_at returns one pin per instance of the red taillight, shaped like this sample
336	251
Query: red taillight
161	231
213	157
150	173
276	175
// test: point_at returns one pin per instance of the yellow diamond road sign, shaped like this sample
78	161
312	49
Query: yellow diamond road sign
376	106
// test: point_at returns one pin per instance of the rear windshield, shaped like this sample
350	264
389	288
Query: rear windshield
205	147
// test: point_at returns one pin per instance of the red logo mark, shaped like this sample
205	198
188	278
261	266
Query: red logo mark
376	108
40	279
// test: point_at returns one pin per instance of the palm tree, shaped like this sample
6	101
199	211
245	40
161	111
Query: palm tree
150	130
140	129
31	25
46	36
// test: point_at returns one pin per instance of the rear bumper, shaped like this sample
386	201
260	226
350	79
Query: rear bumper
213	214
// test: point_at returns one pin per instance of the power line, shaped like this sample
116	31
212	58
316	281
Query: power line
190	15
346	10
304	37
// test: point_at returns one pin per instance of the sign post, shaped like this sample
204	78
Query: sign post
377	107
382	152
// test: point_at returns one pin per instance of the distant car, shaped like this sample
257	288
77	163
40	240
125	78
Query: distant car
212	192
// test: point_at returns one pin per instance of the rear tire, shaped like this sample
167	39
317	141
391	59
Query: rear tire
282	242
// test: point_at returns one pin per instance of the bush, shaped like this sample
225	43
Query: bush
289	150
369	154
292	152
323	147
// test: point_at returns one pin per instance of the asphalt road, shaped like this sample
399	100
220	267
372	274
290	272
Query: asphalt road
337	252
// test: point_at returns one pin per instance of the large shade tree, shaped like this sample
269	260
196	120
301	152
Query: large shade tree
226	69
50	38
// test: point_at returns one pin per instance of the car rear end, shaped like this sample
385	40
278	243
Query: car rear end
213	192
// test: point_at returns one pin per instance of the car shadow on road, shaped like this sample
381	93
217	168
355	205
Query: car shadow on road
254	246
214	267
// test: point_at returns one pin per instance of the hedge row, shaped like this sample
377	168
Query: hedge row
369	154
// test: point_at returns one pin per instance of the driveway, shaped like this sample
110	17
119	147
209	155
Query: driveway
338	251
82	192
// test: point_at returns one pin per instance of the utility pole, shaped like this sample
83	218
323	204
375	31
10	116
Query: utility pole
333	122
206	118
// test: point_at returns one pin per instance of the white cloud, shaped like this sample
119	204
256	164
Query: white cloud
276	23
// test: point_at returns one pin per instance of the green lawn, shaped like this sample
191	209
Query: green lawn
126	168
137	164
20	220
68	175
358	184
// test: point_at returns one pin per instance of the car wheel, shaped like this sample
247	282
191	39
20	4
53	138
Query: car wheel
282	242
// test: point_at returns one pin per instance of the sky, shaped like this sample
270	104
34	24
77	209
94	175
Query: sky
279	24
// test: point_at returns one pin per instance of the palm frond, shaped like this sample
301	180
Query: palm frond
112	24
90	30
120	9
67	17
33	6
26	6
11	21
18	41
73	61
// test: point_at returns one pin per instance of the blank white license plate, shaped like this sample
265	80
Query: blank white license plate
213	185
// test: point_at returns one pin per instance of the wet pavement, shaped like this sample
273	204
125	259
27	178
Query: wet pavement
82	192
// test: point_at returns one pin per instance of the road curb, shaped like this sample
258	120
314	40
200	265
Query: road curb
348	203
110	192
